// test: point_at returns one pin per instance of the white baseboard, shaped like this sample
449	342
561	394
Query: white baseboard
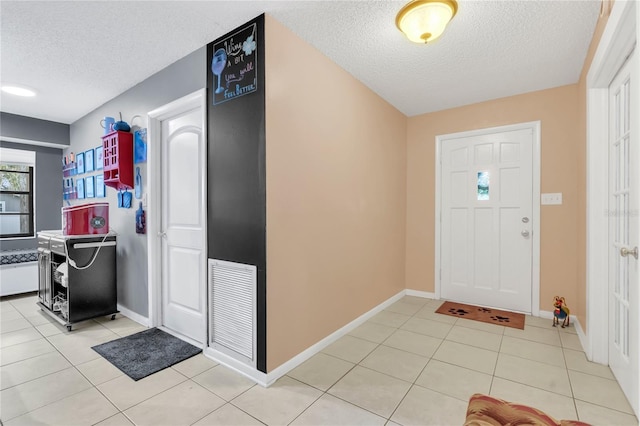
573	320
423	294
269	378
238	366
133	316
312	350
547	314
584	341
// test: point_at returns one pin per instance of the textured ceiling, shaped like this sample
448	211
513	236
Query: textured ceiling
80	54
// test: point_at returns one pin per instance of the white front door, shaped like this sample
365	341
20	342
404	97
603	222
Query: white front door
183	222
624	233
486	219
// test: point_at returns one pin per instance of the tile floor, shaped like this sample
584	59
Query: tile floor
406	366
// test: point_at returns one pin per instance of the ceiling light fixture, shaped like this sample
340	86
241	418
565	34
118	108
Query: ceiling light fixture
18	90
423	21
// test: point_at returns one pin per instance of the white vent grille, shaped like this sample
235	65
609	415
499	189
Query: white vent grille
232	309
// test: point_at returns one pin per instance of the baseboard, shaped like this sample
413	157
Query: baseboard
133	316
549	315
312	350
423	294
238	366
574	320
268	379
584	341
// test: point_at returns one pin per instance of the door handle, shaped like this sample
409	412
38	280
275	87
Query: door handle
624	252
525	233
162	234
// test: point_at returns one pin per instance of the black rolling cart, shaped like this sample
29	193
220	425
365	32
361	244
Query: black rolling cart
71	294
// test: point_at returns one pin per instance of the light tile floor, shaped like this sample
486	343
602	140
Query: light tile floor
406	366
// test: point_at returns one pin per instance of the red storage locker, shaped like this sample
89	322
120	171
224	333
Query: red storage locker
117	148
86	219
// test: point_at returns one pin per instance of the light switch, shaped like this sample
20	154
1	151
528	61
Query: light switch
144	200
554	198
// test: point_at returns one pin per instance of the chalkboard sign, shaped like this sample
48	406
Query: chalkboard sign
234	65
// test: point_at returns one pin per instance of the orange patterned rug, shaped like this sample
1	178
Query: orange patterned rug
478	313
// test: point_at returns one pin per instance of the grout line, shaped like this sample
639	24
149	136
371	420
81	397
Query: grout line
573	396
322	393
535	387
423	368
239	408
605	407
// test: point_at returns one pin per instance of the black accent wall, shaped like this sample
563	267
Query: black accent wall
236	177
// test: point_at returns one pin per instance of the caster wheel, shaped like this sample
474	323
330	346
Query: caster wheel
68	328
113	317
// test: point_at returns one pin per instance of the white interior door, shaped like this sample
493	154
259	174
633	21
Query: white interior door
486	219
624	233
183	223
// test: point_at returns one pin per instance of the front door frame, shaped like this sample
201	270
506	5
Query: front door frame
154	188
617	42
535	217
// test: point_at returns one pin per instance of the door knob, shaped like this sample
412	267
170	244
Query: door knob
624	252
525	233
162	234
525	220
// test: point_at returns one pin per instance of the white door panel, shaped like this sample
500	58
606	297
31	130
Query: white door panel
189	297
486	228
183	225
183	177
624	233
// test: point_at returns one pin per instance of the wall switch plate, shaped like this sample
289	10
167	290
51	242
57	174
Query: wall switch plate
144	200
554	198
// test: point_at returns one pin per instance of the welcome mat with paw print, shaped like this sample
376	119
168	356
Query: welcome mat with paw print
478	313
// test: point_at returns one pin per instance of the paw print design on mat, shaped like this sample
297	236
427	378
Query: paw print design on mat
485	310
458	311
500	319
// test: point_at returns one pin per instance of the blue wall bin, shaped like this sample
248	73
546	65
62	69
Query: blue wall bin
141	221
127	197
140	146
124	199
138	184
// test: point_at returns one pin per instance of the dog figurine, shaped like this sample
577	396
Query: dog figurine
560	312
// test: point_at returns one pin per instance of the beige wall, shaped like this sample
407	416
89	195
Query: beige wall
557	112
581	157
336	189
351	187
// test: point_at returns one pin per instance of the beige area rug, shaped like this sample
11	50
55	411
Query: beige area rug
478	313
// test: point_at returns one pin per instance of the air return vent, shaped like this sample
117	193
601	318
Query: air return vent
232	309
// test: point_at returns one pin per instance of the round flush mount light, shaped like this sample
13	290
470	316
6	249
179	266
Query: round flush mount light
423	21
16	90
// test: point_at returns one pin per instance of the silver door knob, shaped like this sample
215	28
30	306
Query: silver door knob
624	252
525	233
162	234
525	219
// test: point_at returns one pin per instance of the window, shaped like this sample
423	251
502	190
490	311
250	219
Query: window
16	195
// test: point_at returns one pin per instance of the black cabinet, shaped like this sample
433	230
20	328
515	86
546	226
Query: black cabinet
77	277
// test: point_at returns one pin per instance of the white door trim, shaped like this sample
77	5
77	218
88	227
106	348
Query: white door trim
535	219
154	206
617	42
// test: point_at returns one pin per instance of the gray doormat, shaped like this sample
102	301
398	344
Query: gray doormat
145	353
